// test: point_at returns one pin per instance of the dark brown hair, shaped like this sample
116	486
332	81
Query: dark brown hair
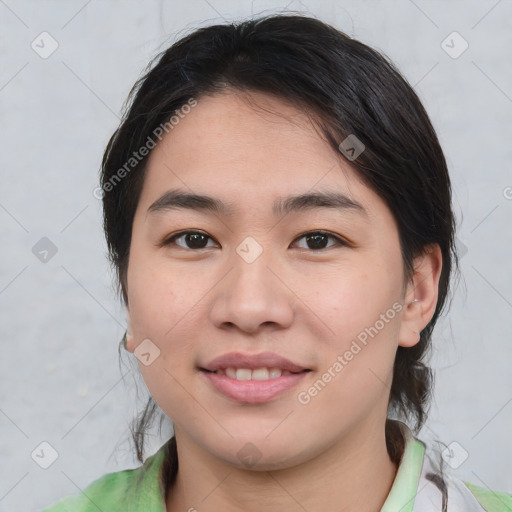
349	89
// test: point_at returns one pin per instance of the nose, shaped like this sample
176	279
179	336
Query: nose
252	296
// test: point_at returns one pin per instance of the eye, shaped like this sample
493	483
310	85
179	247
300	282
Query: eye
191	240
316	240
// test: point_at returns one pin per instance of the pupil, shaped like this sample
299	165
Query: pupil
316	239
194	240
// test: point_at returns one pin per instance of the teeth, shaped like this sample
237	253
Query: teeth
256	374
231	373
260	374
276	372
243	374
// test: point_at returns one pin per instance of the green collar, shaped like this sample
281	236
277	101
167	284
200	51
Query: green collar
405	486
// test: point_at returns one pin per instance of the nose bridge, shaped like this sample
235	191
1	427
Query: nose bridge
251	294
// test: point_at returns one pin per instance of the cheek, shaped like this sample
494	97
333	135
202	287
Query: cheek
361	308
164	305
353	299
363	313
158	298
161	308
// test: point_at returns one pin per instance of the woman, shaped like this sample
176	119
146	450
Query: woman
278	211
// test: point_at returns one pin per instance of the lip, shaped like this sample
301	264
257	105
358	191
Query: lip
253	391
261	360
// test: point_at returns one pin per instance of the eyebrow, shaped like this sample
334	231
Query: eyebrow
179	199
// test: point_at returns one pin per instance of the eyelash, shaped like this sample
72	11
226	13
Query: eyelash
339	241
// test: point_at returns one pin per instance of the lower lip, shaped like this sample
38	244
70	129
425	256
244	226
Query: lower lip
253	391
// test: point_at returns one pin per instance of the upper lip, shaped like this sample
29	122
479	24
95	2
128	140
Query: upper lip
262	360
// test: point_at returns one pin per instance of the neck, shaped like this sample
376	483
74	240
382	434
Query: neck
354	474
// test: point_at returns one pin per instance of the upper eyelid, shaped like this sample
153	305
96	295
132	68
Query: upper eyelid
187	232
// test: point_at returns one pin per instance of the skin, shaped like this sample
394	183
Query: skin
304	303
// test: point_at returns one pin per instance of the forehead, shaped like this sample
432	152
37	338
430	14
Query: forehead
236	129
248	149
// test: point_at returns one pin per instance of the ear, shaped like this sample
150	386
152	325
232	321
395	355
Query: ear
129	334
421	295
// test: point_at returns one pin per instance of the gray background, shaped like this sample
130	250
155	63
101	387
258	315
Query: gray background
60	320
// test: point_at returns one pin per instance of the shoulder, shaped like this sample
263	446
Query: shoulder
491	501
446	492
121	491
444	488
105	493
433	486
459	495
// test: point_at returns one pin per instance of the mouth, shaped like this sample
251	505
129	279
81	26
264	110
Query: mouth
253	379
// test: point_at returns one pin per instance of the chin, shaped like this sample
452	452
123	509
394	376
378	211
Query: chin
261	455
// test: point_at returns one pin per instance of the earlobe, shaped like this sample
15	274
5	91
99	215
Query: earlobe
128	342
128	336
421	296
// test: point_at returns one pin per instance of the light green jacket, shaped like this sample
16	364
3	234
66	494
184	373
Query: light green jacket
139	490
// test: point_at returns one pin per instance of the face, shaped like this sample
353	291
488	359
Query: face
266	323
